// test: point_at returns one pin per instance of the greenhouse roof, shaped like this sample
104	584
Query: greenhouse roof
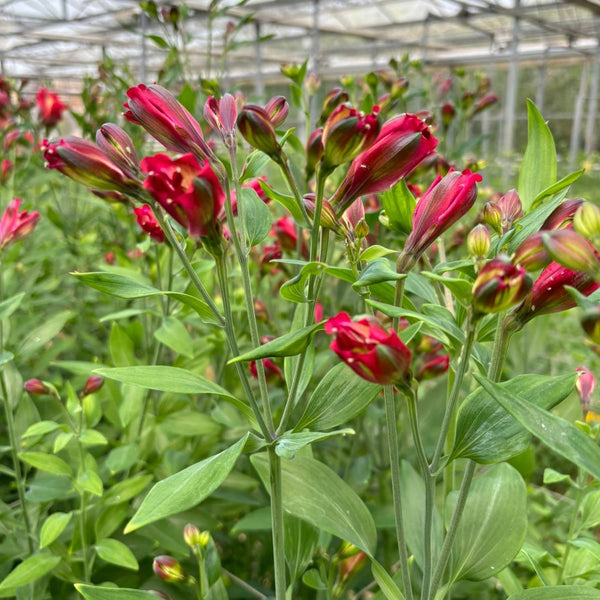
63	40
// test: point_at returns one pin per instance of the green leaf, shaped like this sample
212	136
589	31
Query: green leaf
375	251
116	553
29	570
89	481
288	202
126	490
286	345
560	185
486	433
42	334
122	286
557	592
315	493
255	165
92	592
173	334
340	396
493	524
385	582
538	169
171	379
6	357
188	423
46	462
559	435
122	458
257	217
290	443
293	289
460	288
8	306
377	271
158	40
90	437
398	204
40	428
187	488
53	526
301	540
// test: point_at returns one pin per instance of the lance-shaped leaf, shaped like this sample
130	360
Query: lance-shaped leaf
558	592
486	433
92	592
286	345
316	494
187	488
558	434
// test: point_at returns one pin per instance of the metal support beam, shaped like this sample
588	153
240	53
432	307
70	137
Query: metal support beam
259	86
541	82
575	146
144	61
590	123
511	88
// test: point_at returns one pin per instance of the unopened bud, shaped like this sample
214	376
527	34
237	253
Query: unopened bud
361	229
492	216
277	108
312	83
168	569
500	285
511	209
194	538
118	146
256	127
479	242
571	250
562	216
314	151
587	221
333	99
448	114
36	387
329	219
93	384
531	253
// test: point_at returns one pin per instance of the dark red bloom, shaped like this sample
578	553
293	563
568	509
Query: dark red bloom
147	221
50	108
188	191
369	350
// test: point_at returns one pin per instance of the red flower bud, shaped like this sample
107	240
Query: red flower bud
531	254
166	120
277	108
257	128
118	146
571	250
548	294
347	133
314	151
168	569
221	115
333	99
369	350
444	203
87	164
36	387
93	384
403	143
562	216
510	209
500	285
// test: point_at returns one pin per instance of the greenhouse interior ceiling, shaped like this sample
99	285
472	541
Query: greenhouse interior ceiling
64	40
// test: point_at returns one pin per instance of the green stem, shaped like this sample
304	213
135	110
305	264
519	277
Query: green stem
455	391
411	397
230	334
245	586
241	251
14	450
392	435
500	349
452	528
277	523
231	339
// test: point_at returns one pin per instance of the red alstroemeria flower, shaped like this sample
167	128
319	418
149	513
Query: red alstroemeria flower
15	225
188	191
147	221
50	108
369	350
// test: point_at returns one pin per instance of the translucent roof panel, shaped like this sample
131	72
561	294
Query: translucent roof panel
61	41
